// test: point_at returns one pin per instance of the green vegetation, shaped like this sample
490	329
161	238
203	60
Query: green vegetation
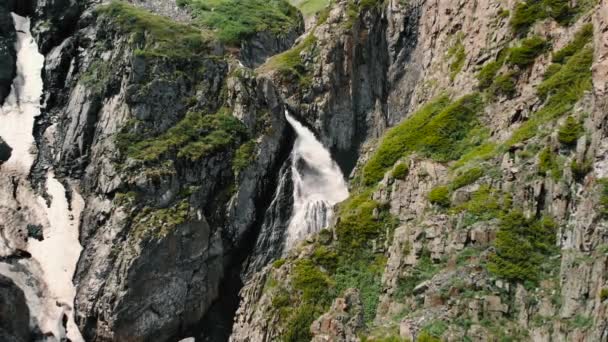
486	75
531	11
157	223
425	269
400	171
563	90
436	328
310	7
289	63
358	225
233	21
525	54
439	130
603	201
467	177
504	85
570	131
278	263
457	55
604	294
485	204
244	156
298	326
365	276
581	38
193	137
580	169
427	337
155	35
522	245
440	196
548	162
312	283
580	322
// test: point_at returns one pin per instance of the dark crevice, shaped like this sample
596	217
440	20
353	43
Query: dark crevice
216	325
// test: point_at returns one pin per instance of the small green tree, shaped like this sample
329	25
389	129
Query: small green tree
570	131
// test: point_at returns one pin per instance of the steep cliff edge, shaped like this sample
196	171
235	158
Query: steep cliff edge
479	216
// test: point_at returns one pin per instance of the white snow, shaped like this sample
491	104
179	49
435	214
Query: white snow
318	185
46	278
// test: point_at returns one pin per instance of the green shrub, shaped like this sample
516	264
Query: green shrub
312	284
552	70
580	170
485	203
298	325
194	137
426	337
438	131
358	224
440	196
548	162
486	75
525	15
366	276
289	64
581	38
570	131
156	35
563	91
400	171
325	257
458	55
151	223
522	245
467	177
436	328
525	54
278	263
531	11
233	21
604	294
243	157
504	85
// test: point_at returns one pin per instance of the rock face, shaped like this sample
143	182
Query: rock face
14	313
180	150
5	151
7	51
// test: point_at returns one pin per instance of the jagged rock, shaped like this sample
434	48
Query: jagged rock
8	36
342	322
5	151
14	313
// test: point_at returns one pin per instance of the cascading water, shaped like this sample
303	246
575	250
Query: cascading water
45	273
318	184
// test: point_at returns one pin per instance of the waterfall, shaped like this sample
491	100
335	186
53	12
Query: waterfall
318	184
46	275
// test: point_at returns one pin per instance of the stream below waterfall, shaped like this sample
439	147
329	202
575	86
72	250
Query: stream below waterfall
45	273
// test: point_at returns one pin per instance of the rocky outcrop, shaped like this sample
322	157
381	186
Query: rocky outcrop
342	321
5	151
14	313
7	51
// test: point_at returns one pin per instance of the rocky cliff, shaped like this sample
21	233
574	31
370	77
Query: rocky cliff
472	134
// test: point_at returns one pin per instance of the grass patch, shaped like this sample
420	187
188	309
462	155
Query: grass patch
289	64
457	55
467	177
233	21
439	130
529	12
193	137
562	91
425	269
310	7
603	200
440	196
244	156
522	245
549	163
156	35
158	223
400	171
570	131
581	38
525	54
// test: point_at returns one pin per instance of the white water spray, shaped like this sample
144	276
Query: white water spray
46	277
318	185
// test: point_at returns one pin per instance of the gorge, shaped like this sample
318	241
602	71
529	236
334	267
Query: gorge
349	170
